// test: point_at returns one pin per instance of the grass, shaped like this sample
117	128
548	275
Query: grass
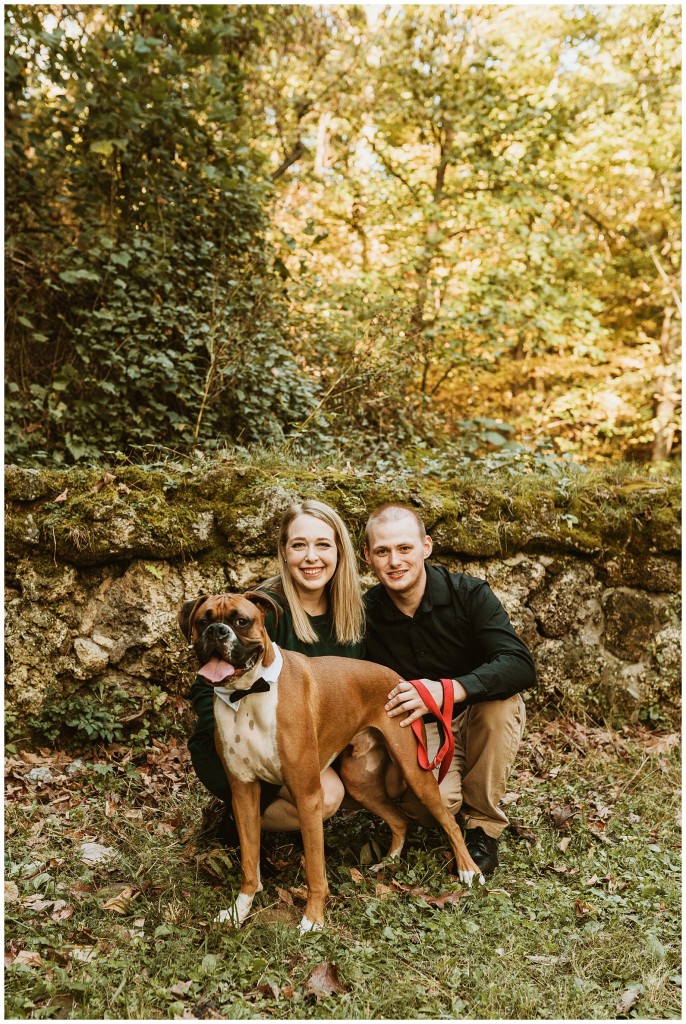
582	920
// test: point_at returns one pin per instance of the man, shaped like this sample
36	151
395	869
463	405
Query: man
426	623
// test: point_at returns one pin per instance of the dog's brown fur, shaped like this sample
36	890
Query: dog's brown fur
326	707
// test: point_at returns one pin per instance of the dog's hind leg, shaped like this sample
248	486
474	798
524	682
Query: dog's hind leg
423	784
362	768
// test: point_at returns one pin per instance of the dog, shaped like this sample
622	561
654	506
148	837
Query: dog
282	718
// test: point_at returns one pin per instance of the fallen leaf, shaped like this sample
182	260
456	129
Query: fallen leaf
593	880
37	903
628	999
371	853
29	958
11	892
120	903
383	891
522	831
267	988
107	479
180	988
84	954
561	815
356	876
510	798
582	909
95	853
61	497
285	896
447	900
535	959
62	913
288	992
323	981
662	744
562	846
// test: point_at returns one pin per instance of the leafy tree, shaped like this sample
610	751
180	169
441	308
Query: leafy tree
142	307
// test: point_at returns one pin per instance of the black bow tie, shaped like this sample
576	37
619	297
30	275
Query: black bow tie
259	686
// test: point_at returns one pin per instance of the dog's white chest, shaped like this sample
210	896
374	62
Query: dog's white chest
248	737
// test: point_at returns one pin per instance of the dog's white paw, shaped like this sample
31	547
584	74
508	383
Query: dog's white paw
309	926
224	917
375	868
466	877
238	913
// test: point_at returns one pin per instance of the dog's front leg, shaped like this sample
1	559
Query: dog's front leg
245	800
307	794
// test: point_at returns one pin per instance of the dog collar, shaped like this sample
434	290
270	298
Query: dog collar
269	675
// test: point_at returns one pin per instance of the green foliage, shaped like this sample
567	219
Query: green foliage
339	225
140	306
104	717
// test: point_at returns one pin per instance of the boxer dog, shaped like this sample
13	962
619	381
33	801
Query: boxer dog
282	718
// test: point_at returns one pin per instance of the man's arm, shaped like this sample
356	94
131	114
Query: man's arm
507	668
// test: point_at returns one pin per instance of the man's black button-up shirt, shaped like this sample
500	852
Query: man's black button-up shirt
460	631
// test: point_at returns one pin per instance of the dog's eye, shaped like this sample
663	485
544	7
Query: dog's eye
242	621
203	621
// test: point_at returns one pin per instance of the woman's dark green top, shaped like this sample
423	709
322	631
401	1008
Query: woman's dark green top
204	756
326	644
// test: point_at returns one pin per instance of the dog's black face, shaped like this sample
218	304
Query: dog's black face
227	633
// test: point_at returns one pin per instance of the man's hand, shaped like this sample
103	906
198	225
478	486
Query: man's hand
404	698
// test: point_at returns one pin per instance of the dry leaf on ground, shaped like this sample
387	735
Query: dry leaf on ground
628	999
11	892
562	815
120	903
96	853
448	899
180	988
324	982
29	958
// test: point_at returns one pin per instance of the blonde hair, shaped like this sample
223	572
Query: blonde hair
344	588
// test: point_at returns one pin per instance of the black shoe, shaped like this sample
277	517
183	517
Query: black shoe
483	850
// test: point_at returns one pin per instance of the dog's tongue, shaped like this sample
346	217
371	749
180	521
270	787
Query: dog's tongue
216	670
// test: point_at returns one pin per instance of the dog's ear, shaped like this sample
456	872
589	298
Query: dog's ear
187	613
265	602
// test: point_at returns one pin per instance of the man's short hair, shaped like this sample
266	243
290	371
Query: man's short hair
389	513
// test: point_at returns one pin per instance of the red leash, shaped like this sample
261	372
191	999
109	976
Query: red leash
445	718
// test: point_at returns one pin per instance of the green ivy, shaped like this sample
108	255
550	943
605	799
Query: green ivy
144	306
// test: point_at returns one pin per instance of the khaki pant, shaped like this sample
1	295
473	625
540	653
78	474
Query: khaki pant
487	737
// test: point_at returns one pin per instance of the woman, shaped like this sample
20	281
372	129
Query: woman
318	590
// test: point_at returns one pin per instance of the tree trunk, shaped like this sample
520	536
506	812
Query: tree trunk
667	387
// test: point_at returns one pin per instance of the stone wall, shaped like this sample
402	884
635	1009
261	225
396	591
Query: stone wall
98	564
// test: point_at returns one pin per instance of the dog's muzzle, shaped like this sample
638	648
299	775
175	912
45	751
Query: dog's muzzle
222	654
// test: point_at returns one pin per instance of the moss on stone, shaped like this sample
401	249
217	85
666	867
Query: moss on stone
174	511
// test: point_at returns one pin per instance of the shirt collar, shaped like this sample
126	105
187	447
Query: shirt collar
437	589
270	675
